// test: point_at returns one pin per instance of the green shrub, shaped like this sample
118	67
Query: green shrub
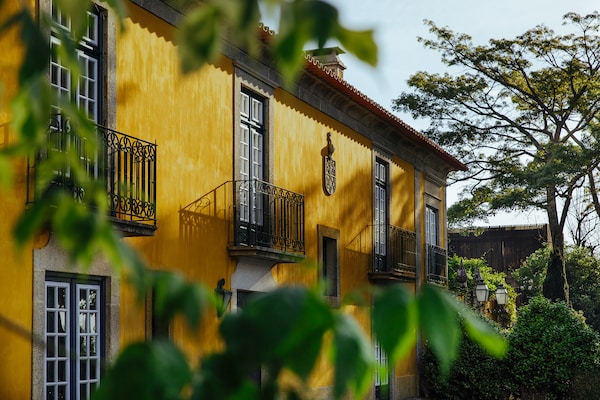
552	354
548	346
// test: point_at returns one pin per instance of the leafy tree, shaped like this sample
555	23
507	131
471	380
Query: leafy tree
583	273
159	369
522	113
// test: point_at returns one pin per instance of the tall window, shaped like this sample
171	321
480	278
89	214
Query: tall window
252	157
381	215
382	380
84	90
329	261
72	332
330	272
432	226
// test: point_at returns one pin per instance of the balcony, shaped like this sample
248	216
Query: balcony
394	255
125	164
436	265
263	221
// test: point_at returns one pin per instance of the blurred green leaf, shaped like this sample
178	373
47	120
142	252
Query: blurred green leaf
301	22
120	8
360	43
77	228
302	320
173	295
30	118
37	49
307	21
353	360
225	376
76	11
199	37
154	370
438	318
395	319
483	333
30	222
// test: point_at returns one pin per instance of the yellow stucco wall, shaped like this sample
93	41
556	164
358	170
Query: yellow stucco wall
189	117
298	167
16	282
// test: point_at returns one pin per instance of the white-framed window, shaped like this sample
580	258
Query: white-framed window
381	211
252	156
85	89
73	329
432	226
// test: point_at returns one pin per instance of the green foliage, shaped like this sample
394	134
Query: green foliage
504	315
547	346
301	21
550	350
352	359
474	374
395	317
316	21
303	321
173	295
153	370
583	274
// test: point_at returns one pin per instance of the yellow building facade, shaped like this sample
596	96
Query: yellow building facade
221	174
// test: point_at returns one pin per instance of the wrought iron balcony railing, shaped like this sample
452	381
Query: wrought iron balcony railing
395	251
261	215
125	164
437	270
268	216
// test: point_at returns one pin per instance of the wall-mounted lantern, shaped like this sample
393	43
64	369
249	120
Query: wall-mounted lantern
501	295
223	297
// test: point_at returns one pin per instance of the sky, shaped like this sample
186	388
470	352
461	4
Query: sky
398	23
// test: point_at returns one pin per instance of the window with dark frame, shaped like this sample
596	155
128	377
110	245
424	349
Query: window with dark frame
329	261
159	325
381	215
73	333
330	266
85	90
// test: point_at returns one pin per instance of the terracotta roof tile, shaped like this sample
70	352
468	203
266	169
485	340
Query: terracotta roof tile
316	68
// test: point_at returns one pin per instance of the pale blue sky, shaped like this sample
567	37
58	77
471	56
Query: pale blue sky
398	23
